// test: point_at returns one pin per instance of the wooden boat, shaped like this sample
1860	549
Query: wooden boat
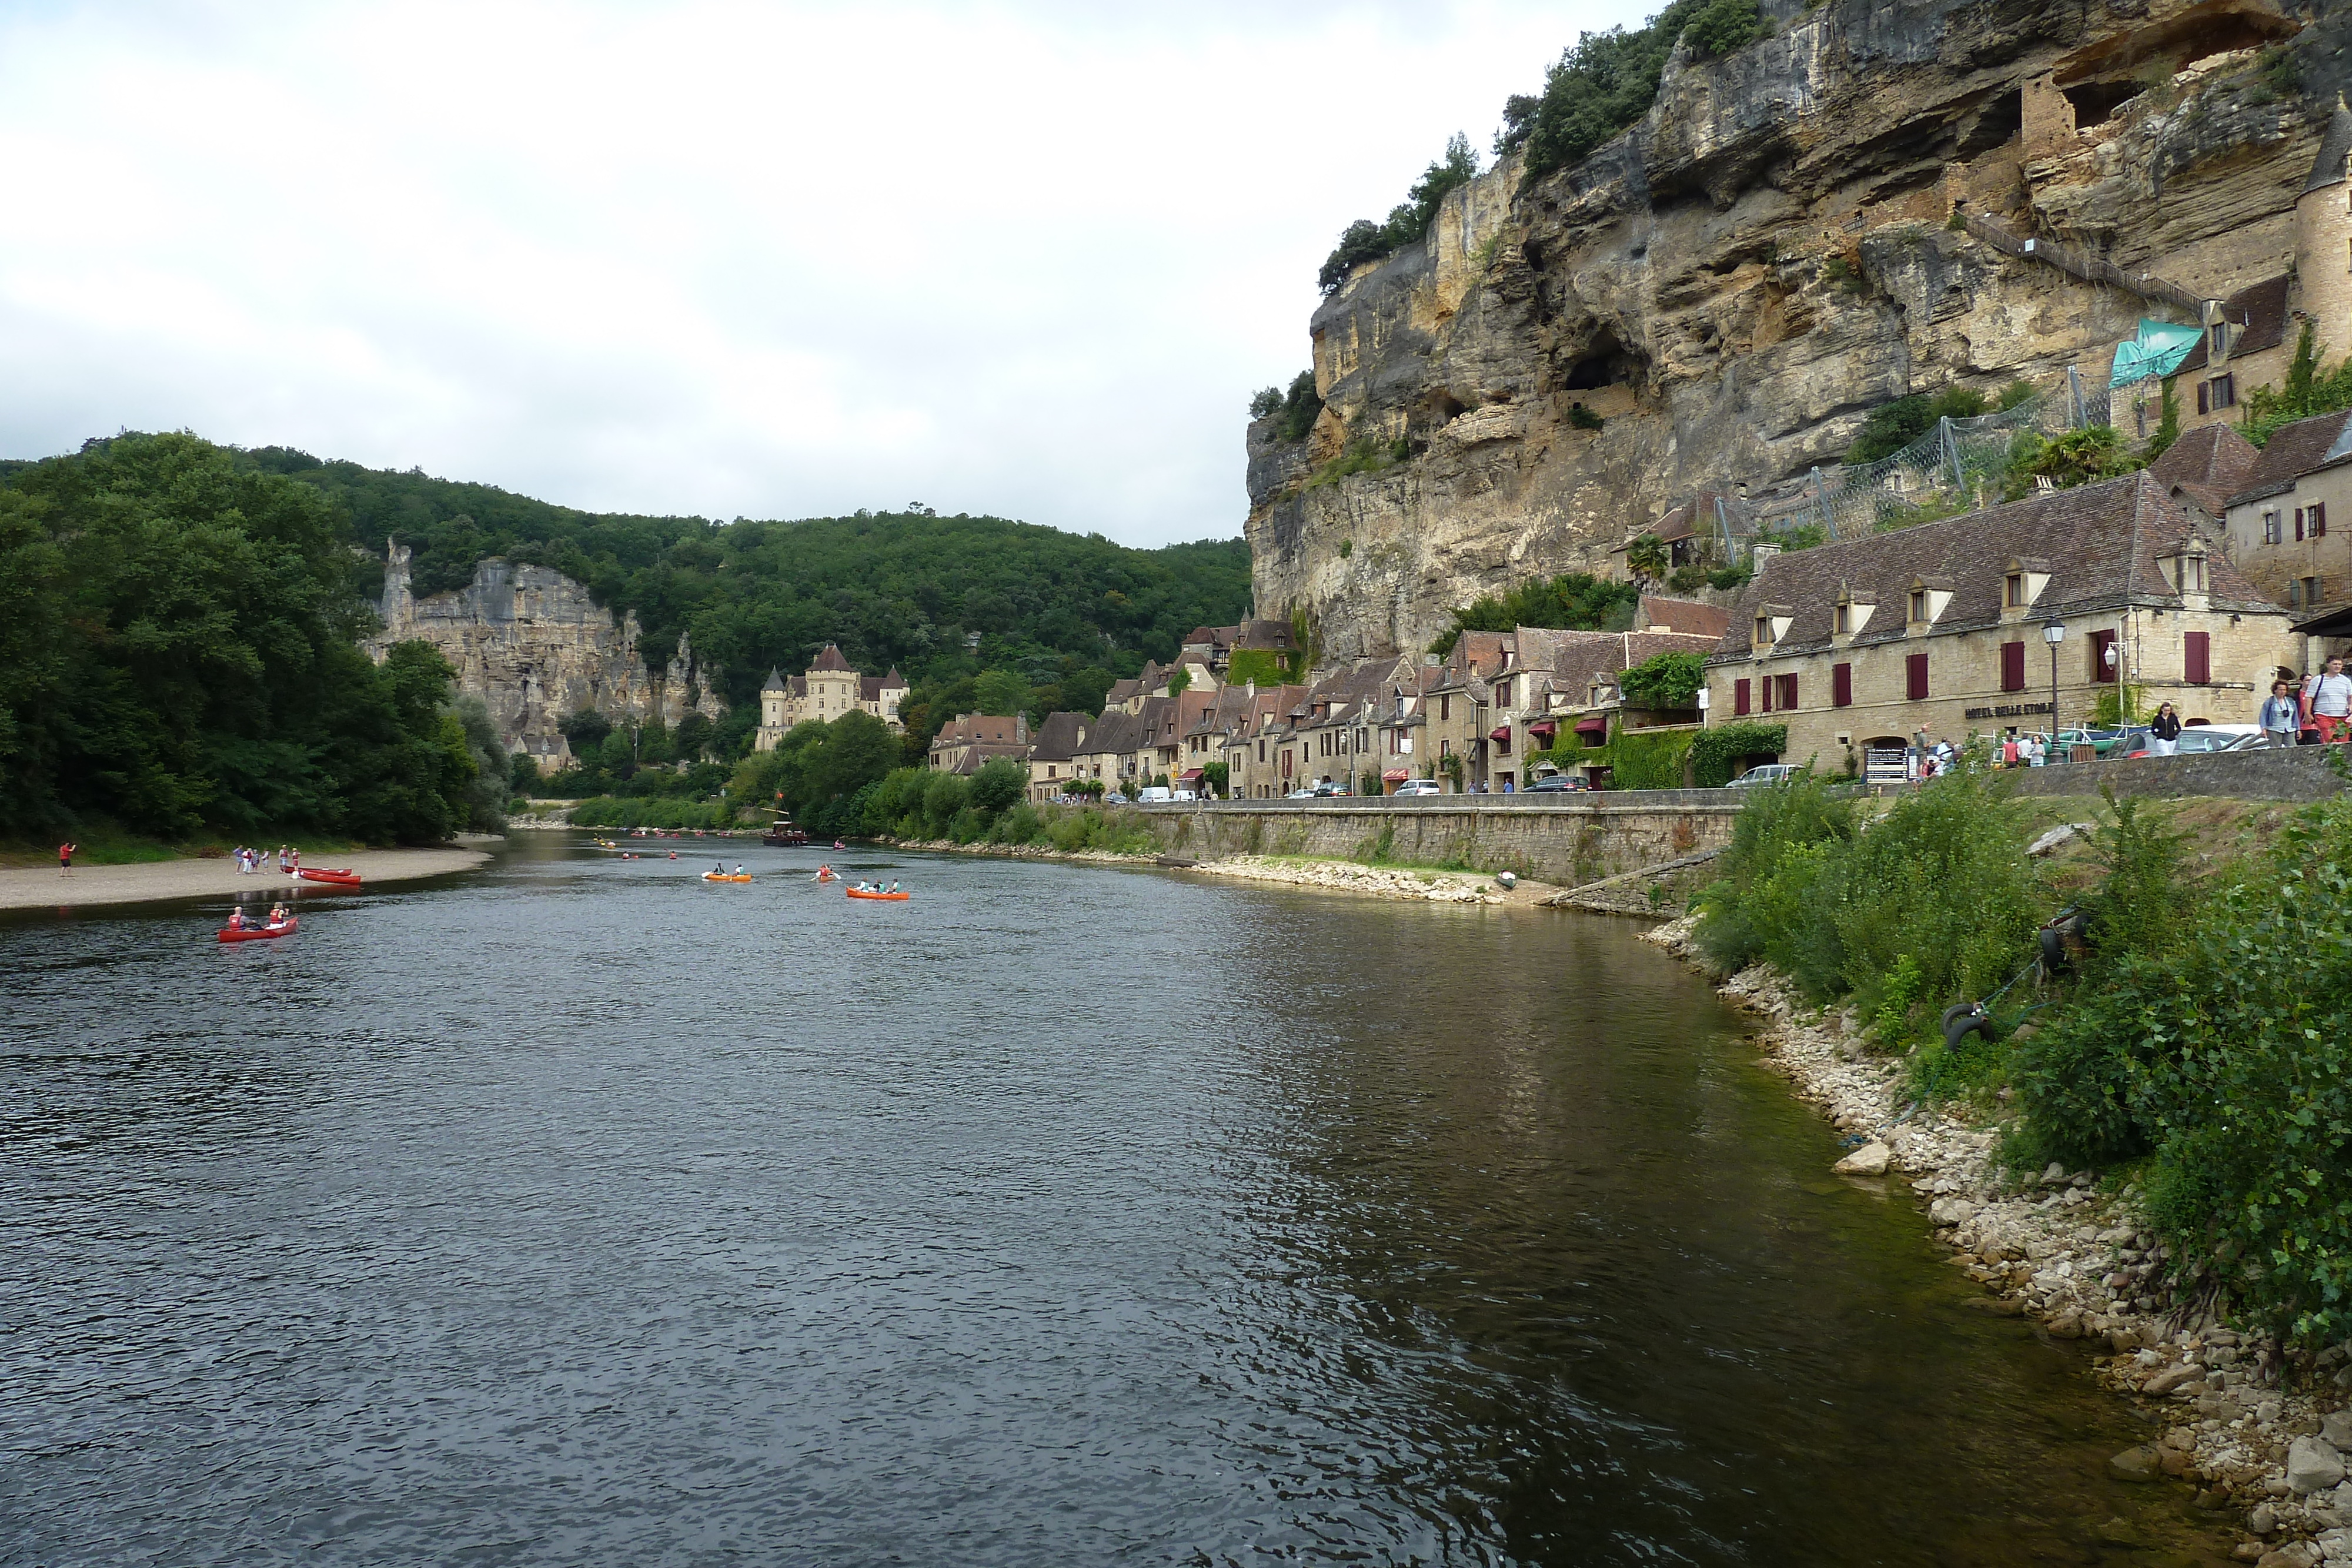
257	933
783	835
887	897
342	877
723	876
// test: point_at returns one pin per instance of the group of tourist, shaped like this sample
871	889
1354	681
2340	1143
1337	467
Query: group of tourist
2318	713
278	916
250	862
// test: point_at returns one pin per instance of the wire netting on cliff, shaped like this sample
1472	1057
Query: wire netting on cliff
1958	465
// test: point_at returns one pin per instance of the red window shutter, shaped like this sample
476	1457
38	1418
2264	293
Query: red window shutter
1769	681
2298	524
1788	692
2013	666
1915	677
2197	651
2204	397
2100	643
1841	684
1739	699
2319	520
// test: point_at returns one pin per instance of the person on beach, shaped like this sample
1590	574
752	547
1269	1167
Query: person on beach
2281	716
65	859
295	854
281	860
2328	695
2164	732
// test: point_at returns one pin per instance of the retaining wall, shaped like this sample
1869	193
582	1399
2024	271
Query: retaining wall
2301	774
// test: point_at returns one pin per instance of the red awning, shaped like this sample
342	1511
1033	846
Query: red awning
1396	776
1592	724
1500	732
1542	726
1189	773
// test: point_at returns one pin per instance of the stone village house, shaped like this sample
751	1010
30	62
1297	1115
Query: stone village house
1939	627
2279	523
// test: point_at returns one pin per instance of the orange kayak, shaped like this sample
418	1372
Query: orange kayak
887	897
716	876
257	933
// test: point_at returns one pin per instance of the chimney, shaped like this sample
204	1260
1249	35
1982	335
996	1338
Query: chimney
1763	553
1020	729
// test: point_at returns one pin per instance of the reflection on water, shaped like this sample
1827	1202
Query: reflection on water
583	1212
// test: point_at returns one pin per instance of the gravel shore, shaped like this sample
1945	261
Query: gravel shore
43	888
1333	876
2054	1248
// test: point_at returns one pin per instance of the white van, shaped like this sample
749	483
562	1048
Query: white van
1154	795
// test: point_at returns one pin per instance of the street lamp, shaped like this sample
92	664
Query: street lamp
2053	633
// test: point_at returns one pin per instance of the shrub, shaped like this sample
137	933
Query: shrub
1724	26
1021	825
1575	599
1582	418
656	811
1731	576
1780	821
1665	681
1301	406
2229	1057
1265	403
1409	221
1687	579
1649	759
1891	426
1000	783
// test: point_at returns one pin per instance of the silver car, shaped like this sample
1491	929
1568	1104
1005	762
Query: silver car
1769	773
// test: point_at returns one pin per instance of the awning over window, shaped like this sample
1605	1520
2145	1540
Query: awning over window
1190	773
1542	726
1396	776
1592	724
1500	732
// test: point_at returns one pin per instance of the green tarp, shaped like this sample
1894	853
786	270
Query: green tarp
2157	351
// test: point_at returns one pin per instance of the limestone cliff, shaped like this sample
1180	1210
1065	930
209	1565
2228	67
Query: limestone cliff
534	647
1732	284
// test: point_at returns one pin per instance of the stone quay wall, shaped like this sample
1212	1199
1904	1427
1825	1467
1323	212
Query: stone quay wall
1565	840
2303	773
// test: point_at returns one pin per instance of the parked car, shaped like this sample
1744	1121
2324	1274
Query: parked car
1115	798
2206	737
1154	795
1557	784
1421	787
1305	794
1186	795
1333	789
1766	773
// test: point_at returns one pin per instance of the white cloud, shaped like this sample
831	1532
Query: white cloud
733	259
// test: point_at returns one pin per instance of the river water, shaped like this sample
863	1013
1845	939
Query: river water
576	1211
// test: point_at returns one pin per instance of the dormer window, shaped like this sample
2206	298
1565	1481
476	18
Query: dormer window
1918	604
2022	582
1771	624
2186	568
1928	597
1763	629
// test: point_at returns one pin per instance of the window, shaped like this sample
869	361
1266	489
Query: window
2013	590
1841	685
2273	532
2204	397
1845	619
1261	751
2106	659
2193	574
1445	708
2317	518
1788	685
1763	629
2013	666
2225	391
1918	604
1739	699
1915	677
2221	338
2197	657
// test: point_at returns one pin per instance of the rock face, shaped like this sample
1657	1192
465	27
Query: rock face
1732	284
535	648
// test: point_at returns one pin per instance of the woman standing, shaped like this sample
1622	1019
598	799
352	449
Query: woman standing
2164	732
2281	716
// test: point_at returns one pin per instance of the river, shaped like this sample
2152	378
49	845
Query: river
577	1211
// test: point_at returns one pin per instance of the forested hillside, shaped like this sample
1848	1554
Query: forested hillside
1055	616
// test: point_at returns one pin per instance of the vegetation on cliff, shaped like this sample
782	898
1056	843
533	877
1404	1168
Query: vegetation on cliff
179	655
1574	601
2198	1040
1606	81
1408	220
2307	391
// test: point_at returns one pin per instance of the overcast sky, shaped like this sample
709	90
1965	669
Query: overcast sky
738	261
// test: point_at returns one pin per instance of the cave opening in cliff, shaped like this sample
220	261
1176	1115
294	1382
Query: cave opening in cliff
2097	101
2000	118
1604	364
2213	27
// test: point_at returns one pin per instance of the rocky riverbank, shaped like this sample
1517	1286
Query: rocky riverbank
2081	1260
1419	885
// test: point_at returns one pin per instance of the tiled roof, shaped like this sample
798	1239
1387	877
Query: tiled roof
2335	146
1117	731
1686	615
2259	311
1059	738
830	660
1122	691
980	756
775	682
2293	451
2100	541
1271	635
2208	465
980	729
1611	653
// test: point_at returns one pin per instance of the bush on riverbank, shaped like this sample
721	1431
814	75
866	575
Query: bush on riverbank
651	812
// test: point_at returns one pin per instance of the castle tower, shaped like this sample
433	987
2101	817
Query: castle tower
2323	238
775	712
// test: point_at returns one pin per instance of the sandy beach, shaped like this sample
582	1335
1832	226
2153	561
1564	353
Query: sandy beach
43	888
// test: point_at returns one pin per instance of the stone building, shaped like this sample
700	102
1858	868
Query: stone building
1940	627
2279	524
831	687
969	739
535	648
1054	756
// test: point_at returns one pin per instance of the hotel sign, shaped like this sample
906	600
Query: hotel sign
2012	710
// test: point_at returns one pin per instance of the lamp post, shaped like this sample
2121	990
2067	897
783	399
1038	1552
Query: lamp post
2053	633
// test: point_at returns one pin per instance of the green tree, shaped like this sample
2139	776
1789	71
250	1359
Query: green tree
1574	601
1000	783
1408	222
1004	691
1665	681
1646	558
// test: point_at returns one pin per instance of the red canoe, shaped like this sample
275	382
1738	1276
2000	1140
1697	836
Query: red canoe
257	933
855	894
346	877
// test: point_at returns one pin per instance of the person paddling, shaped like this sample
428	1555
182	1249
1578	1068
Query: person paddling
279	914
237	920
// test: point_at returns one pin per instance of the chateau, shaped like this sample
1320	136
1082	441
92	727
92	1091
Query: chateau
831	688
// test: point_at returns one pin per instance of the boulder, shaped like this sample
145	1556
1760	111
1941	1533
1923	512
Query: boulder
2263	1520
2144	1463
1871	1159
2336	1427
2171	1378
2335	1545
2313	1465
